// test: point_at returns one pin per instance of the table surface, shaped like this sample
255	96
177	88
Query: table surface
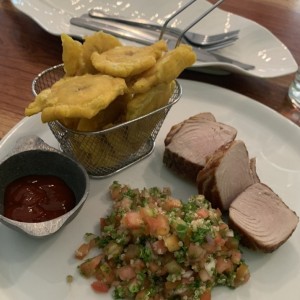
26	49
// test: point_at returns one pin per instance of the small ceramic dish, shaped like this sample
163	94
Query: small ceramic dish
32	156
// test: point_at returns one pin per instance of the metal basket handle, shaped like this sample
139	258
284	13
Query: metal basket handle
203	15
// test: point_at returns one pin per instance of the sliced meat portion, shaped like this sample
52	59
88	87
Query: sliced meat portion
263	220
190	143
175	128
227	173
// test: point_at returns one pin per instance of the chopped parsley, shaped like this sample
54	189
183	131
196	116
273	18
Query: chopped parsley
154	244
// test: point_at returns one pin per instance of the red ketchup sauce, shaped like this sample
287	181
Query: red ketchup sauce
37	198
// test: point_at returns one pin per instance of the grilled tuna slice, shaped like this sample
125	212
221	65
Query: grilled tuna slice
227	173
262	219
175	128
189	144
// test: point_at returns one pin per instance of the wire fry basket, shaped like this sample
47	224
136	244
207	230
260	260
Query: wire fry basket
108	151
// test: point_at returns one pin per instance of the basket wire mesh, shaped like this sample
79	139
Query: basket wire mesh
108	151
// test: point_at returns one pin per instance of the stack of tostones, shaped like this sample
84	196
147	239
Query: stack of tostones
106	83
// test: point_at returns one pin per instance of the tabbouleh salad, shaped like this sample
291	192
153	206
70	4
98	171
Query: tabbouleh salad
155	247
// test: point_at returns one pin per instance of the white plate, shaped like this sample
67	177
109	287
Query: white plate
256	45
34	269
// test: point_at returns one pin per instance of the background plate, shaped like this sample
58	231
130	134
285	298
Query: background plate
256	45
34	269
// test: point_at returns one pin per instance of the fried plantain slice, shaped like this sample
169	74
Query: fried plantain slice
142	104
98	42
72	56
167	69
77	97
107	117
128	60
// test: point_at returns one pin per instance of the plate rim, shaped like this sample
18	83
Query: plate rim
260	71
195	87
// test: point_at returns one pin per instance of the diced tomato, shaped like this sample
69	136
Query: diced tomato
88	268
158	225
82	251
146	212
202	213
223	227
85	248
242	275
219	240
236	256
100	287
159	247
223	265
126	273
133	220
206	295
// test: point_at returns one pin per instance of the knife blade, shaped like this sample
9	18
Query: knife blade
145	37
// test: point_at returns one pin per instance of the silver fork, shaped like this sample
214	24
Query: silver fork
142	37
124	30
193	38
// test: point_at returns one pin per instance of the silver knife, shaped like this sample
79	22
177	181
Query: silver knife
145	37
